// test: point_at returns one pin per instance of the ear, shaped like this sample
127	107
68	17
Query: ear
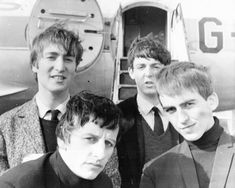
131	73
213	101
61	144
34	68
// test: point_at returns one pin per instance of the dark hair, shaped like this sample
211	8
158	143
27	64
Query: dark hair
84	107
148	47
180	76
58	35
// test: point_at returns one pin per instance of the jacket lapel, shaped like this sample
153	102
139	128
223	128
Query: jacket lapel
222	162
187	166
29	120
140	137
135	146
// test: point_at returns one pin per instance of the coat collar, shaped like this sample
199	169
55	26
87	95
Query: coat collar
221	166
187	167
222	163
28	118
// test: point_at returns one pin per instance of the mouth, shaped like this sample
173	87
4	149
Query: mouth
95	165
58	77
187	127
149	83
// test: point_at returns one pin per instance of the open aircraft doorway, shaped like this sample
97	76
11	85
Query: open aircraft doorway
165	22
142	20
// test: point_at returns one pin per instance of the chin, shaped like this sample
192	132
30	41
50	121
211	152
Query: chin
192	137
90	176
149	91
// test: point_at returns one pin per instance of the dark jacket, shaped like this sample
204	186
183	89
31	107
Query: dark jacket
21	134
131	151
44	173
176	168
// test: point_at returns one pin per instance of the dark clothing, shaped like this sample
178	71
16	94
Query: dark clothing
48	132
203	153
176	167
131	148
49	171
155	145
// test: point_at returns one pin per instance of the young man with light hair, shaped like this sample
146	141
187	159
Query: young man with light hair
205	158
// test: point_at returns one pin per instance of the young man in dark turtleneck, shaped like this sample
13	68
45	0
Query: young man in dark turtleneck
86	137
205	158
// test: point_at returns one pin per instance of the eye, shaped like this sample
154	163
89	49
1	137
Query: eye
109	144
188	105
170	110
69	59
51	58
140	66
157	66
91	139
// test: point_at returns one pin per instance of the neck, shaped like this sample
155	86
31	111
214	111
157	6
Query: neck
52	100
212	135
151	98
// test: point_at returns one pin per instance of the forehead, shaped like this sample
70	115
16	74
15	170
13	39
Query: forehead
90	128
184	96
53	48
146	61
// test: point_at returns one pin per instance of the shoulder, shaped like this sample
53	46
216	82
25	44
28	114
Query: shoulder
19	109
27	109
102	181
129	107
168	158
130	102
26	174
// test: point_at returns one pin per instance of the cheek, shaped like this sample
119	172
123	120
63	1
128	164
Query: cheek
172	118
201	113
108	154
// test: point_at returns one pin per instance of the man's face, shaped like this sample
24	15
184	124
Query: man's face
89	149
55	69
189	113
144	72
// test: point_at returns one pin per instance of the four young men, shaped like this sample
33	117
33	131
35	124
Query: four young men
187	98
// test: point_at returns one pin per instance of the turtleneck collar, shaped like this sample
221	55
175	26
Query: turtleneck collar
66	176
209	138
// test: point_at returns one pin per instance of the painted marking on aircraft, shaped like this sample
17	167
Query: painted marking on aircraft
218	35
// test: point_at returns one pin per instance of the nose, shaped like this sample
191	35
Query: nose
148	71
183	116
59	64
99	150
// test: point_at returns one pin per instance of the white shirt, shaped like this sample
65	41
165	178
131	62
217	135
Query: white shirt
43	109
145	109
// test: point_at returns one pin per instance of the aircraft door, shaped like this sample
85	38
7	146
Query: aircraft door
81	16
114	34
178	41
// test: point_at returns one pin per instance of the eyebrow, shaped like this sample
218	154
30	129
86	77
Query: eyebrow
51	53
56	54
91	134
181	104
187	101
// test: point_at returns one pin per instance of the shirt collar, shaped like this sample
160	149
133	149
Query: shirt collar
43	109
145	106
